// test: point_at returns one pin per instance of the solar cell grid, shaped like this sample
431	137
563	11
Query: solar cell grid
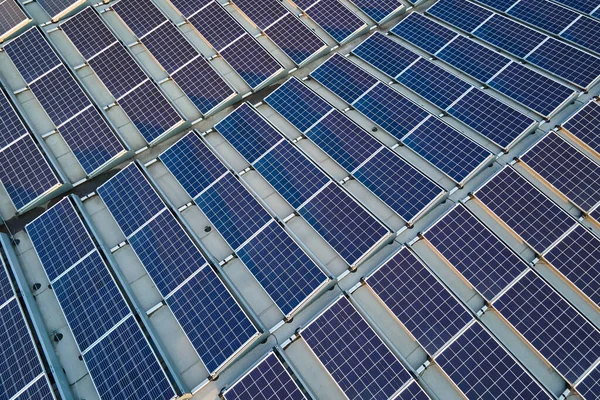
500	5
88	33
6	289
90	300
475	252
117	70
11	127
423	32
590	386
211	318
56	7
170	47
584	125
460	13
335	19
40	390
140	16
552	326
543	14
217	26
11	16
357	359
533	216
385	54
378	10
413	392
189	7
511	36
299	46
31	54
59	237
262	12
281	267
419	301
585	6
579	33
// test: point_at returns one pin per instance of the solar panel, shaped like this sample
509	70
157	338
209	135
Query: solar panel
117	70
423	32
31	54
379	10
70	239
295	39
578	33
344	78
6	289
268	380
290	172
217	26
585	6
166	252
123	365
234	212
281	267
357	359
130	199
248	132
40	390
11	16
500	5
213	321
343	223
25	173
55	7
446	149
576	257
511	36
590	386
385	54
88	33
140	16
194	166
552	326
413	392
262	12
475	252
533	216
419	301
460	13
390	110
584	125
169	47
187	7
481	368
11	127
298	104
335	19
150	111
90	300
544	14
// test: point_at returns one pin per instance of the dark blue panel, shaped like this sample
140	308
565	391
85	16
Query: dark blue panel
40	390
344	78
378	10
169	47
423	32
211	318
296	39
385	54
298	104
123	366
188	7
217	26
90	300
117	70
585	6
343	223
419	300
534	217
390	110
31	54
235	213
543	14
413	392
508	35
590	386
248	132
59	237
357	359
460	13
166	252
282	268
55	7
291	173
262	12
192	163
584	125
130	198
139	16
579	33
447	149
485	261
88	33
11	127
6	289
552	326
335	19
500	5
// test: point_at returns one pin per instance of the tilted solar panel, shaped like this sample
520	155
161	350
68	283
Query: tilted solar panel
88	33
511	36
590	386
11	17
40	390
335	19
544	14
262	12
170	47
460	13
189	7
296	39
6	289
117	70
141	17
584	6
584	125
31	54
385	54
413	392
11	127
500	5
217	26
423	32
55	7
578	33
379	10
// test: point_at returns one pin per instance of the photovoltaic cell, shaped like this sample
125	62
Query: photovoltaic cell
234	212
211	318
585	6
55	7
123	365
584	125
88	33
11	127
423	32
533	216
335	19
262	12
217	26
511	36
460	13
31	54
475	252
69	242
357	359
552	326
590	386
429	312
141	17
90	300
543	14
117	70
378	10
281	267
413	392
130	198
170	47
188	7
500	5
268	380
11	16
579	33
296	39
482	369
385	54
40	390
6	289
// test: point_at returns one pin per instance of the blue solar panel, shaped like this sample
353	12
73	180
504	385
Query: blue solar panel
170	47
390	110
211	318
423	32
533	216
166	252
40	390
11	127
262	12
421	303
508	35
433	83
344	78
130	199
90	300
584	125
579	33
296	39
6	289
269	380
123	366
385	54
563	336
590	386
543	14
378	10
447	149
70	239
413	392
482	369
475	252
357	359
585	6
32	55
576	257
55	7
88	33
343	223
500	5
281	267
187	7
217	26
141	17
335	19
298	104
460	13
13	18
231	208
